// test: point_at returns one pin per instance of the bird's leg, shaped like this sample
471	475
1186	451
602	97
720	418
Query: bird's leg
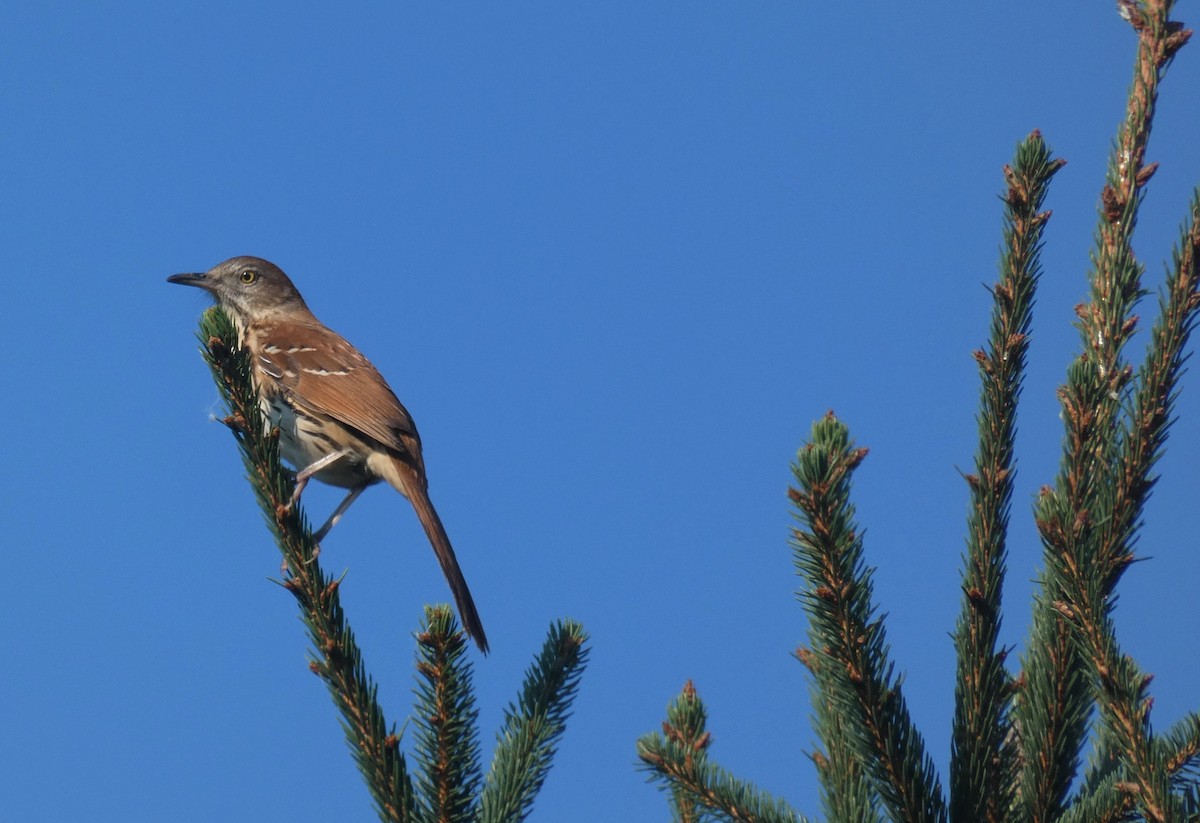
338	512
308	471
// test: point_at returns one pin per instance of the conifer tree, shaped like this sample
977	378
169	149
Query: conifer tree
1018	738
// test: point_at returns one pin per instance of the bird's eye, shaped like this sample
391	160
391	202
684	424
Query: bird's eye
249	276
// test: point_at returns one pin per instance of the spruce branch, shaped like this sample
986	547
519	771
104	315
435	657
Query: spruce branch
1098	381
1109	801
845	634
1051	712
983	757
1180	748
687	723
533	726
1016	741
1145	432
847	794
677	759
447	745
1086	520
335	656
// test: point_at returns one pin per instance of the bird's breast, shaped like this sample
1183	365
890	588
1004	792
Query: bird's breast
304	438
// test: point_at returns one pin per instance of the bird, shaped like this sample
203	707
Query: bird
338	419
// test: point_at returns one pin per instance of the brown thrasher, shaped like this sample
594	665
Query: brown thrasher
338	419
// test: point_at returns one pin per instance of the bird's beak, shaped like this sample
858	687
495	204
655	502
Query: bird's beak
199	279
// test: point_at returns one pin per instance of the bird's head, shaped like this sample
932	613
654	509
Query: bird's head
249	288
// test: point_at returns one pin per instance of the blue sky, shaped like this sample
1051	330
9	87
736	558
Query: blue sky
615	258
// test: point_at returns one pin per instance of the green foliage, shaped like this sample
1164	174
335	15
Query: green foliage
687	725
984	764
848	649
1017	741
533	726
677	759
447	745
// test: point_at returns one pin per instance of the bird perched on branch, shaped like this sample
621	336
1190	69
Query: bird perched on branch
338	419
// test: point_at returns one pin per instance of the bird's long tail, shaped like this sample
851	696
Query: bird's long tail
413	487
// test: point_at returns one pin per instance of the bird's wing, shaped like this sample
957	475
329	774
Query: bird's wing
321	371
